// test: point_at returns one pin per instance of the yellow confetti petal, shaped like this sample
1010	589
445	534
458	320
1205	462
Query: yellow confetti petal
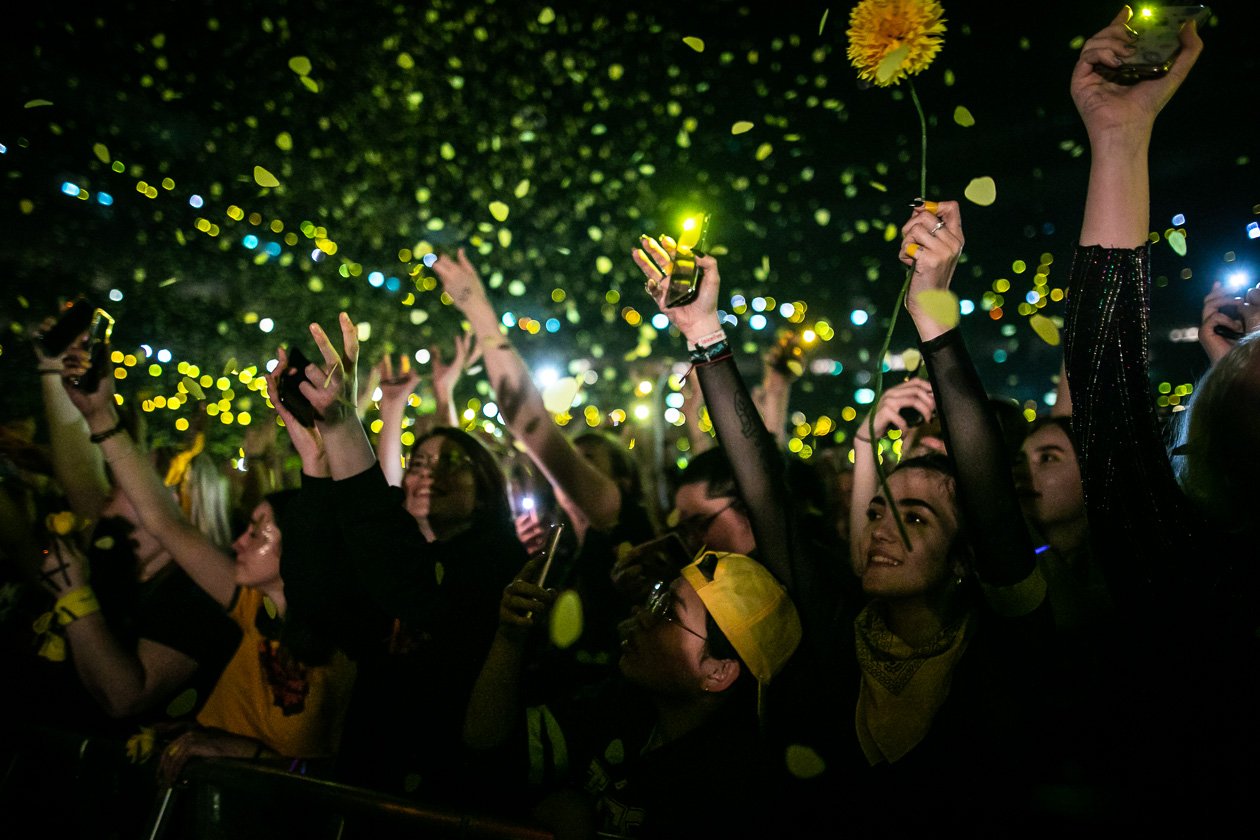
941	305
558	396
522	189
104	543
802	762
405	61
547	15
741	127
300	64
566	619
891	64
1045	329
1177	241
193	388
101	151
270	606
264	178
439	572
310	84
823	22
963	117
695	43
36	103
284	141
982	191
62	524
911	358
499	210
183	703
764	151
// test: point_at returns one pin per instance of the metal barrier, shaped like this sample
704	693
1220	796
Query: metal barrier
225	798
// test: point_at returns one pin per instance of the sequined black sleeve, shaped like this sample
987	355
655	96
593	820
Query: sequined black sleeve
1139	520
1004	558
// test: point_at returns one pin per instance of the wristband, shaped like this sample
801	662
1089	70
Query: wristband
76	604
707	340
108	433
705	355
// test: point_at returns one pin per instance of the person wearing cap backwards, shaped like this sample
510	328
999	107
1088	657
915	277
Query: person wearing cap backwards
679	728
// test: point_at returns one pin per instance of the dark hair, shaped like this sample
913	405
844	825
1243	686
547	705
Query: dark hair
1064	423
492	506
713	469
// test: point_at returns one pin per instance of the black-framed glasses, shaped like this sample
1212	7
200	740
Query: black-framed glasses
660	605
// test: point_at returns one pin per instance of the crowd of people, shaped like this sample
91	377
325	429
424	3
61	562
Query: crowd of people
1007	627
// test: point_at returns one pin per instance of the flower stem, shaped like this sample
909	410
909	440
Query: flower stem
892	326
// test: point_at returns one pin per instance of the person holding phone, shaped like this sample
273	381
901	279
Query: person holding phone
1176	537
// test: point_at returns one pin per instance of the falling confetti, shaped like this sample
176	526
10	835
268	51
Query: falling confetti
300	64
1045	329
803	762
741	127
1177	241
963	117
941	305
263	178
822	23
695	43
982	191
566	619
891	64
101	151
499	210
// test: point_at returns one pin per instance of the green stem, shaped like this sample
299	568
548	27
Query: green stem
892	326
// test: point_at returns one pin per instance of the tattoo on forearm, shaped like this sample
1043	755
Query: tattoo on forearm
748	416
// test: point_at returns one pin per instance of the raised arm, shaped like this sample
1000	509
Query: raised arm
155	504
915	394
1119	119
123	681
396	388
1004	560
597	496
77	463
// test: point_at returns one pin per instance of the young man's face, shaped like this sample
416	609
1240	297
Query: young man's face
713	523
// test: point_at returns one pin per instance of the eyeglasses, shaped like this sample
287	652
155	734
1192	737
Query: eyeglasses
660	605
449	461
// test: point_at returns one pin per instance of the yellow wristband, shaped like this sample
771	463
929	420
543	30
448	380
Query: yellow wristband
76	604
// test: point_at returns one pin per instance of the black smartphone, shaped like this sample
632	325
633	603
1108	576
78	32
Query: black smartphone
553	540
97	346
291	396
71	323
1231	310
1158	41
685	276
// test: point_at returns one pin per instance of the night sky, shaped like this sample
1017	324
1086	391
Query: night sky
139	140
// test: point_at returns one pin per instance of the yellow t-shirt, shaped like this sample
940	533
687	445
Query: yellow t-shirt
294	709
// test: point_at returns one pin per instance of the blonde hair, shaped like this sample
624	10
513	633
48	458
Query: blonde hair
1213	458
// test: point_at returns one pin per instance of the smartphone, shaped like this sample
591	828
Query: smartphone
553	540
685	276
99	330
71	323
1231	310
910	414
293	375
1158	41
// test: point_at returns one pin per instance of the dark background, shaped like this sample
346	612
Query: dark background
199	92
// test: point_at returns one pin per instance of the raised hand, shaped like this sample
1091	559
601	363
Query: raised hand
656	260
460	280
307	442
524	602
931	242
332	389
446	375
64	568
396	385
99	406
914	393
1107	106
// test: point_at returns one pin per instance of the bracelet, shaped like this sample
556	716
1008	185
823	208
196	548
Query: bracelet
705	355
108	433
708	339
76	604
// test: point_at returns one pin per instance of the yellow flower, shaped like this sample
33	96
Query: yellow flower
892	39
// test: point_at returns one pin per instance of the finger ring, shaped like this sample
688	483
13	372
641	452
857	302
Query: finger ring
939	225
